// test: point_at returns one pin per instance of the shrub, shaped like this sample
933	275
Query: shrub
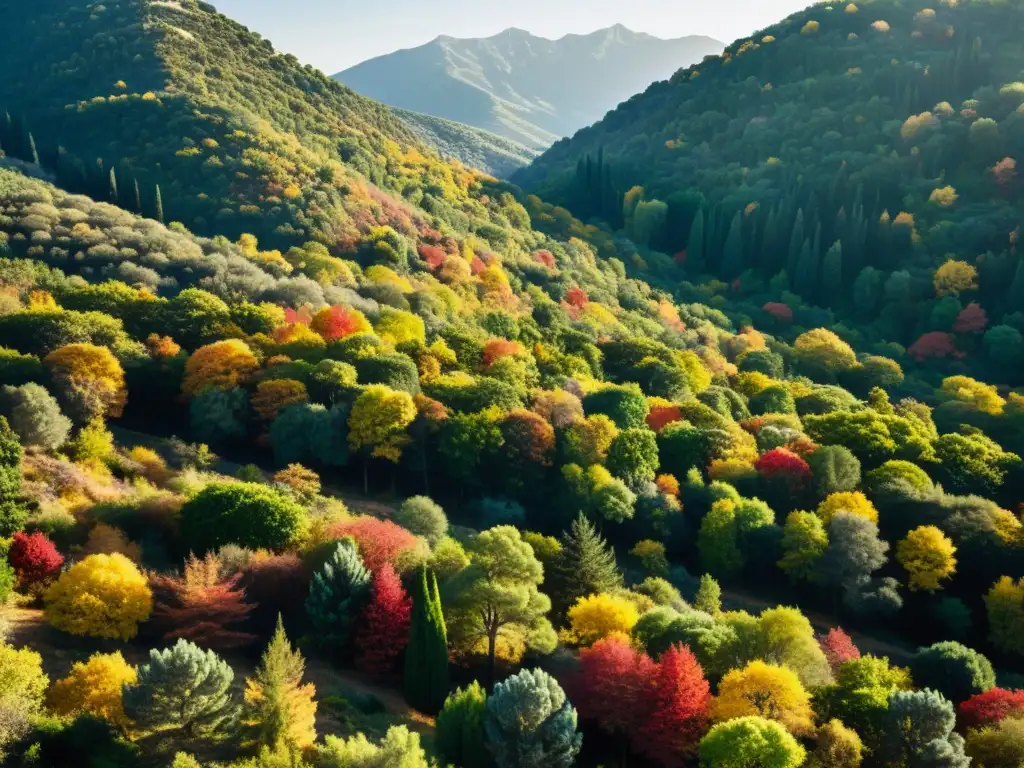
94	687
34	557
246	514
99	596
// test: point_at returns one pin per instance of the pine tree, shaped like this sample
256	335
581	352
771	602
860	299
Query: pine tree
336	596
183	687
384	626
277	704
426	680
695	246
12	509
585	566
159	205
732	258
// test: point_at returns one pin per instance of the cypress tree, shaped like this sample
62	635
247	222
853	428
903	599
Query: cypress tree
113	186
585	566
12	508
426	681
732	258
34	154
832	271
695	245
159	205
138	198
768	256
796	243
806	278
1015	294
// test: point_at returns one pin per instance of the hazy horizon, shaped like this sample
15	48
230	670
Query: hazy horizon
310	29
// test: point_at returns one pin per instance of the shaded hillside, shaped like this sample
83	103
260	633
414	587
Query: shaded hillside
856	149
473	147
525	88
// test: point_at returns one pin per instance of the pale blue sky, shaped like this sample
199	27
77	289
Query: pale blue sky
335	34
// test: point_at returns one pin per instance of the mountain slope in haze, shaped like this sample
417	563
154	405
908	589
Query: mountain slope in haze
523	87
845	154
474	147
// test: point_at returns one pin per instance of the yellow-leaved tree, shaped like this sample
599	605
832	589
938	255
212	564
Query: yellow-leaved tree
99	596
768	691
927	555
377	424
88	381
955	277
221	365
597	616
854	502
94	687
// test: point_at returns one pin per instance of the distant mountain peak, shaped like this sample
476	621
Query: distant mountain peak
523	87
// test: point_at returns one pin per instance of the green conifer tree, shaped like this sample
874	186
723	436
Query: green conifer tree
832	271
460	728
695	245
337	595
113	186
426	680
585	566
159	205
732	258
796	243
12	506
709	595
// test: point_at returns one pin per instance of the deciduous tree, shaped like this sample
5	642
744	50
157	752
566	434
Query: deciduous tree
99	596
383	629
765	690
89	381
750	742
94	687
927	556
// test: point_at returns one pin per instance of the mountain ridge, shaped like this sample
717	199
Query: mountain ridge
503	83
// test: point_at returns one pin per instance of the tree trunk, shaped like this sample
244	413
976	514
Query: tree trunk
492	642
366	477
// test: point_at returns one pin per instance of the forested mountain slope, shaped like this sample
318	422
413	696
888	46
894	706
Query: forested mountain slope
523	87
856	148
471	146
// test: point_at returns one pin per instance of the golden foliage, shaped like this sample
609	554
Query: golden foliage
927	556
597	616
94	687
954	277
277	394
99	596
765	690
854	502
221	365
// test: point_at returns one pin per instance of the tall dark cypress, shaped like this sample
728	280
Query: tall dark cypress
585	566
796	242
1015	294
695	263
732	256
426	681
159	205
832	272
768	255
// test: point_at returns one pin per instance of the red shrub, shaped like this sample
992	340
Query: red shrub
972	319
576	297
433	255
384	626
546	258
495	349
935	344
780	461
779	311
991	707
476	266
660	416
34	558
838	647
337	322
379	541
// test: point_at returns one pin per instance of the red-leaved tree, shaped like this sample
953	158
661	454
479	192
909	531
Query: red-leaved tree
337	322
781	461
972	319
34	557
614	685
576	297
495	349
380	542
660	416
838	647
779	311
433	255
935	344
384	625
678	709
546	258
991	707
202	605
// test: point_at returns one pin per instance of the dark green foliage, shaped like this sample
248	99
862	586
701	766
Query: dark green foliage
17	369
773	399
919	731
7	580
184	688
762	361
633	456
681	448
854	553
833	469
952	669
531	724
86	741
12	508
584	566
726	402
395	370
426	681
460	728
218	416
624	405
826	399
245	514
337	594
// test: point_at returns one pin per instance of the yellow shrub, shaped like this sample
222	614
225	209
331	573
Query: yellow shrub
765	690
100	596
94	687
853	502
597	616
